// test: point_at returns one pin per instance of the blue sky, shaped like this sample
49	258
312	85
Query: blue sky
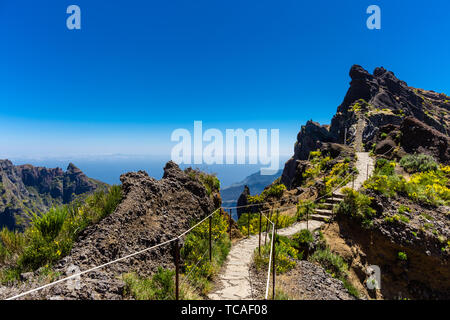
137	70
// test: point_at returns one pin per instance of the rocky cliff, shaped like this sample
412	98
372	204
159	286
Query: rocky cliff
25	188
150	213
375	105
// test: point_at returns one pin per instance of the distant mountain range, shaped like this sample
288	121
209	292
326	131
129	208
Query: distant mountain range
256	182
26	188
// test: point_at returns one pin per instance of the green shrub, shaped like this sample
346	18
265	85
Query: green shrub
383	135
402	256
335	265
285	255
404	209
195	253
274	191
388	185
209	181
384	167
305	209
332	263
52	234
303	237
418	163
50	224
302	240
396	218
161	286
357	205
11	243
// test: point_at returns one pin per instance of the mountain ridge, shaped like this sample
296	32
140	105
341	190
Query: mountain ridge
26	188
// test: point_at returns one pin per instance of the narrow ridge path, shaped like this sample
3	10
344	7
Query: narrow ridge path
234	280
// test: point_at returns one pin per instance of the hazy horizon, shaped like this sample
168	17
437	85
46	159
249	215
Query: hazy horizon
109	168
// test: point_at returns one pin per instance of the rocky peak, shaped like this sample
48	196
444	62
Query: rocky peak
29	188
374	101
243	201
72	169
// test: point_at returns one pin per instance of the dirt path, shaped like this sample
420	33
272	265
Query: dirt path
235	281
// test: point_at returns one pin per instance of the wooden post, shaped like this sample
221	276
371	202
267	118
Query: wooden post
273	262
259	245
210	239
177	269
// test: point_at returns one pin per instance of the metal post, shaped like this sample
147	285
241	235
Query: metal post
248	225
367	175
229	222
345	136
210	239
353	181
259	245
177	269
273	263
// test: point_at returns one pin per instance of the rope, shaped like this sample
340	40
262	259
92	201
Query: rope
167	242
90	270
110	262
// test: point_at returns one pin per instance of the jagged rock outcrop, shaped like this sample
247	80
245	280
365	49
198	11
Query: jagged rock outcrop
372	102
150	213
309	138
243	202
384	99
28	188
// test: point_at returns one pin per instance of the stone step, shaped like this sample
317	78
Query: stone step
338	195
326	205
319	217
324	212
335	200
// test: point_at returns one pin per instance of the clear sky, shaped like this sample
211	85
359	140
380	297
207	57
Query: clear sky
137	70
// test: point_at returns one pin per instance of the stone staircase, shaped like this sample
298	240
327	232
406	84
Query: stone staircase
325	213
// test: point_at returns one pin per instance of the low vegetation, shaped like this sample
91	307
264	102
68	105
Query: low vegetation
52	234
331	172
418	163
285	255
358	206
305	209
209	181
160	286
275	191
197	268
429	187
334	265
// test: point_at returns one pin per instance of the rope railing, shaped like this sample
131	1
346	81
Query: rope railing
76	275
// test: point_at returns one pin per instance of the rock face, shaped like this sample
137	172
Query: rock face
26	187
309	138
384	99
243	201
151	212
372	102
421	138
